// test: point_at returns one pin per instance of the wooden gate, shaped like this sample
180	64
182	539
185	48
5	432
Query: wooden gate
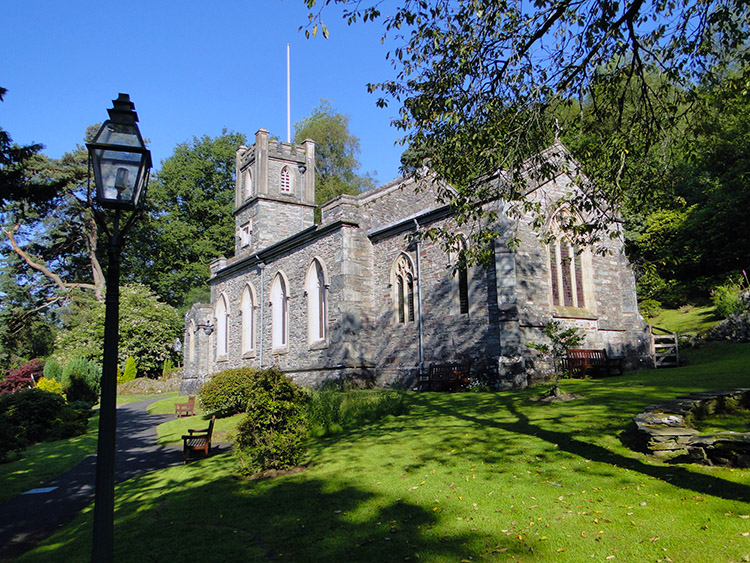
665	349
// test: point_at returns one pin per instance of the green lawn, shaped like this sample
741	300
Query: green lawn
462	477
687	319
41	462
171	432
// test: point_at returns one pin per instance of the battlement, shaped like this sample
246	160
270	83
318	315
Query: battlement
275	149
275	191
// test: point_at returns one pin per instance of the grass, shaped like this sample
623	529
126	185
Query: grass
171	432
461	477
736	421
331	411
687	319
41	462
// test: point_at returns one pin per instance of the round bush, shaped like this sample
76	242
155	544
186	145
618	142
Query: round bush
227	392
271	435
35	415
82	380
51	385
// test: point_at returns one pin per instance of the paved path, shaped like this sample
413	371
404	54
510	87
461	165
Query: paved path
27	518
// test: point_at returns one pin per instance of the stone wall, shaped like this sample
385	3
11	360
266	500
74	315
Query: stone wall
358	243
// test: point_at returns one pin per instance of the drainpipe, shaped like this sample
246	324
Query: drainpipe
262	267
419	301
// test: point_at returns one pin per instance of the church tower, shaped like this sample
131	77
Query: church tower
275	192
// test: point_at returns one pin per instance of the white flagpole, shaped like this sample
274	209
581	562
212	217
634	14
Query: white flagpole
288	100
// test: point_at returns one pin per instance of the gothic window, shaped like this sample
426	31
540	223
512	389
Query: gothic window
461	274
315	287
285	181
247	309
222	321
190	344
403	282
566	274
279	311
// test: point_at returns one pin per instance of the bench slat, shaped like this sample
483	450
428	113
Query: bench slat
582	362
198	440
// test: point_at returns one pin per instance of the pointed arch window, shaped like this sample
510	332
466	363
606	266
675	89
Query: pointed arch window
222	322
403	281
566	275
247	308
279	311
570	267
462	276
317	313
285	181
190	344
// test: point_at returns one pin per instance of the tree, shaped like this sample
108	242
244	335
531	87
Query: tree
189	218
48	251
481	83
336	151
27	328
699	236
57	238
147	330
18	179
560	340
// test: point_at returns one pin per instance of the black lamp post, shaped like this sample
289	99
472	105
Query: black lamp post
121	165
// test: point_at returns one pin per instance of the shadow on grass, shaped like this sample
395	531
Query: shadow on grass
566	441
294	518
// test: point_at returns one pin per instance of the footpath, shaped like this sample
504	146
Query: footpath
30	517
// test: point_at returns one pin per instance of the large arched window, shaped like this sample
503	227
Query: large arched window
317	314
222	322
247	308
403	282
569	270
279	311
566	275
285	181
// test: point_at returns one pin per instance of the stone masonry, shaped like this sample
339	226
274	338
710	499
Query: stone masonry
391	304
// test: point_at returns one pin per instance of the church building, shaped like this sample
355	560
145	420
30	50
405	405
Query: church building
357	297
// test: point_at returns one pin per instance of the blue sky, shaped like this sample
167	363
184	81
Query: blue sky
192	68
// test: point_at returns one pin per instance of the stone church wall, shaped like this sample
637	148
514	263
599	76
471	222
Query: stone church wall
358	243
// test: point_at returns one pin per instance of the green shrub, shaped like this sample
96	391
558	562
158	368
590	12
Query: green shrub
35	415
227	392
129	373
270	436
53	370
727	299
324	412
167	368
330	411
81	380
649	308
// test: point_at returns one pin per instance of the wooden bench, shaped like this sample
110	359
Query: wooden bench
185	409
198	440
594	363
445	377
